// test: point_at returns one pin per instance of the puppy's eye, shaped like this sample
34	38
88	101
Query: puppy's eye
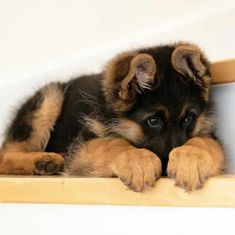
155	122
188	120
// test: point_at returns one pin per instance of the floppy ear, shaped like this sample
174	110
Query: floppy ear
139	77
188	60
126	76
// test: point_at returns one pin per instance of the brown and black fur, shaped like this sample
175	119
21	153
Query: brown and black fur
148	114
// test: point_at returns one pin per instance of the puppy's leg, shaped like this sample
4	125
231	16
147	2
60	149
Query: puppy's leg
27	137
195	161
137	168
29	163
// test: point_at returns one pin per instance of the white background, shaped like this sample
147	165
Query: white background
49	40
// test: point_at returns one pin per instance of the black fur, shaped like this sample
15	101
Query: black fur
83	97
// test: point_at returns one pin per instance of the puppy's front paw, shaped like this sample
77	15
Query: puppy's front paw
138	168
190	166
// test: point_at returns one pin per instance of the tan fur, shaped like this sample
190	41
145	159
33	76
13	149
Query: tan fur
45	118
115	71
204	125
194	52
183	111
118	74
205	93
130	130
137	168
163	109
145	60
118	67
96	127
195	161
21	157
25	163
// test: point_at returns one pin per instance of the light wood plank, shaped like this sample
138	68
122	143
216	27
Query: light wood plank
217	192
223	71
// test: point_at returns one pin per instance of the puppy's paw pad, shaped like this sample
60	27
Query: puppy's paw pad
49	164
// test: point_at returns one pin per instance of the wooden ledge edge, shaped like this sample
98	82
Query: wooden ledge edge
217	192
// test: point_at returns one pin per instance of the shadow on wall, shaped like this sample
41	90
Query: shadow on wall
225	94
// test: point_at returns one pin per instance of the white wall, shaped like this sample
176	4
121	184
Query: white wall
224	97
113	220
42	36
49	40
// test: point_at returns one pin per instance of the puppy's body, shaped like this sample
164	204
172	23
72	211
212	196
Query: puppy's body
148	107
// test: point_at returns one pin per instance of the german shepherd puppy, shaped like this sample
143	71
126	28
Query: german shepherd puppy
148	114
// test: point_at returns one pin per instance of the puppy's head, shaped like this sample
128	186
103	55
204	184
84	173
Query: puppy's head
161	96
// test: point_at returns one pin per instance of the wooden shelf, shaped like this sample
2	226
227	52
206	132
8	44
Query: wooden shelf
223	71
217	192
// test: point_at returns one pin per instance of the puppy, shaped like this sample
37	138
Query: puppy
148	114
